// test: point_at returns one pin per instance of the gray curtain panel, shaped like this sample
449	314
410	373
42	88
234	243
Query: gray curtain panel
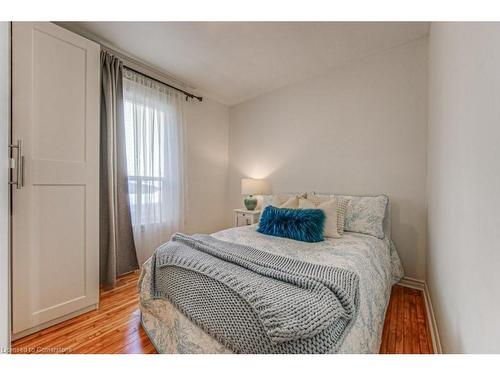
117	249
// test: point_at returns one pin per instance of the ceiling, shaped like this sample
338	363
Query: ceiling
236	61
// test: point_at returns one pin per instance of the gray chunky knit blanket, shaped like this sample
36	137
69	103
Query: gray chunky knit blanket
253	301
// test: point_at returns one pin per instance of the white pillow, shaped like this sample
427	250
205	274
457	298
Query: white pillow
342	204
329	207
306	203
278	200
292	202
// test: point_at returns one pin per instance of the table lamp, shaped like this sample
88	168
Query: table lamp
251	187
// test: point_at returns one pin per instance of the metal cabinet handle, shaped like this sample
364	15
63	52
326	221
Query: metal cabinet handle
21	171
19	165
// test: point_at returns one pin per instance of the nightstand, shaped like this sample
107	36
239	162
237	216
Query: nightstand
244	217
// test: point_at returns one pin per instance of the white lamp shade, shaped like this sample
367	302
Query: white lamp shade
255	186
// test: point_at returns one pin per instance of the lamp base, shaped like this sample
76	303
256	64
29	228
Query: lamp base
250	202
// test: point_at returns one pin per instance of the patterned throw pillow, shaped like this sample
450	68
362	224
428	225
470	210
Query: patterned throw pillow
366	214
342	204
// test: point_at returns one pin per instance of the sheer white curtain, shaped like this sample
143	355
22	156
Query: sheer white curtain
154	130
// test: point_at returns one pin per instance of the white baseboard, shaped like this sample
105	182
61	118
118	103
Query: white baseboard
410	282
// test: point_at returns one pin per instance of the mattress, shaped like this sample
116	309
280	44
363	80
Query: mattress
374	260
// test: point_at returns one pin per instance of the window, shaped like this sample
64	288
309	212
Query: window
154	140
145	144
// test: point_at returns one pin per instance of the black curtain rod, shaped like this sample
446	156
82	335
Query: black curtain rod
188	94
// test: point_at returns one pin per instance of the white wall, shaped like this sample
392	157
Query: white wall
463	262
4	178
207	159
360	129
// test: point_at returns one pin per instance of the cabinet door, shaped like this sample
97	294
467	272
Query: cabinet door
55	115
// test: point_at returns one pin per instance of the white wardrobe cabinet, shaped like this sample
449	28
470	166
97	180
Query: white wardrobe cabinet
55	182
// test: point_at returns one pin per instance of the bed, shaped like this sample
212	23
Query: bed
374	260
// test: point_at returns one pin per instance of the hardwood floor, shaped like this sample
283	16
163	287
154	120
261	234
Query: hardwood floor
406	329
115	327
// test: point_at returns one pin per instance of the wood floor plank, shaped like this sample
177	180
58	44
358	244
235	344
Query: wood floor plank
115	326
391	322
399	322
140	346
101	333
415	346
112	342
407	324
385	331
423	328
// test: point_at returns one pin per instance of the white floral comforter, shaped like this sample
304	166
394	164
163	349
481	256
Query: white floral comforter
374	260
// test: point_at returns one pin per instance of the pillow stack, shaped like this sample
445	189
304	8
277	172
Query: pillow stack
333	208
360	214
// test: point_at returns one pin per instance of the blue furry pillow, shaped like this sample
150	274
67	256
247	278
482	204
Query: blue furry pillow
298	224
